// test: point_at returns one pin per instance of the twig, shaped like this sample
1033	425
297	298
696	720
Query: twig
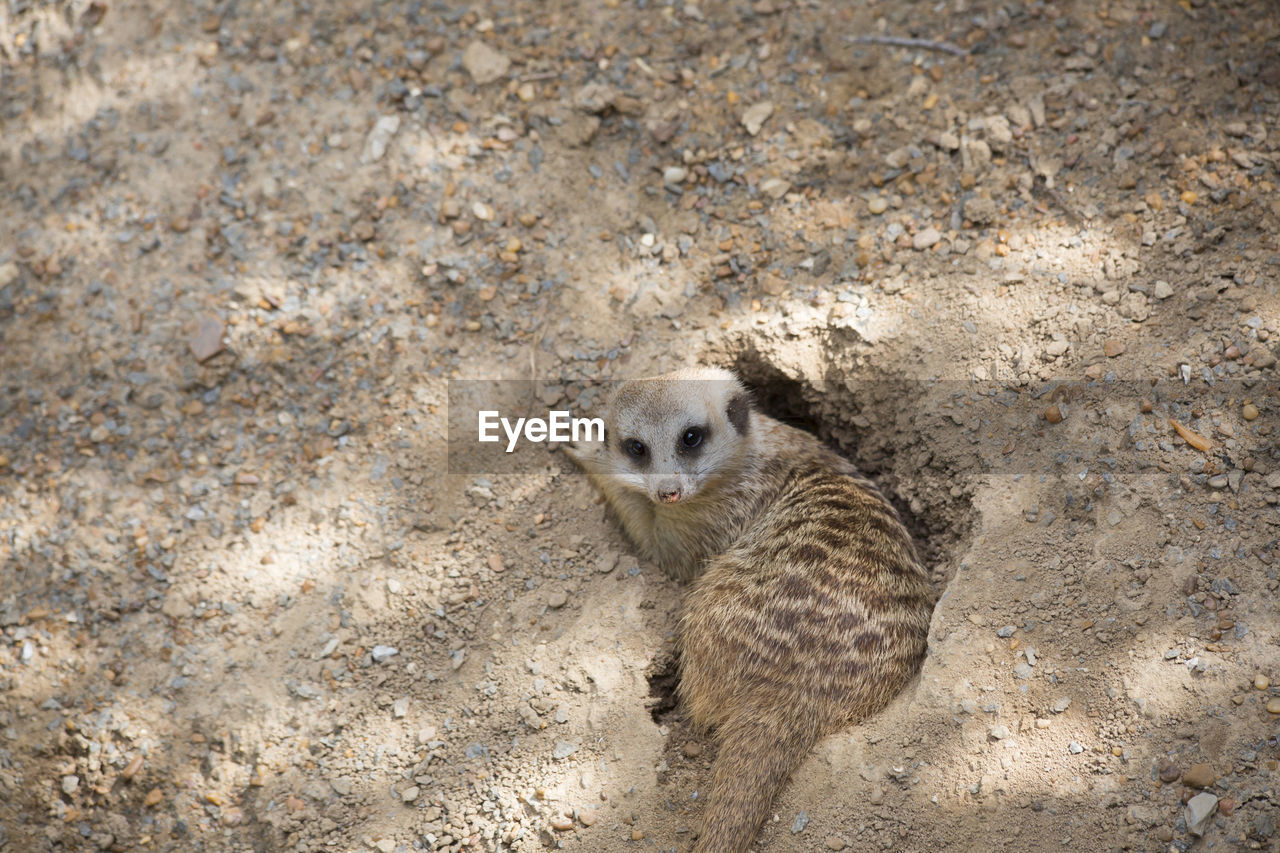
902	41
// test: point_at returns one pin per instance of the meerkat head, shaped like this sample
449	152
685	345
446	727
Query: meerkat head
672	436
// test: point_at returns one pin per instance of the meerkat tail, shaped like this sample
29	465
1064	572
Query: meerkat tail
760	747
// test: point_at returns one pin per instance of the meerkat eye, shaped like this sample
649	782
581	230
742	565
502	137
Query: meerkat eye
635	448
692	437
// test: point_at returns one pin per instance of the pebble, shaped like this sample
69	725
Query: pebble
980	210
1162	289
1169	772
409	794
801	821
483	63
835	842
386	845
557	600
131	769
207	340
341	787
563	749
1250	412
561	823
1198	775
400	707
1261	682
1061	705
673	176
1199	809
384	653
375	144
153	798
999	732
1053	415
1075	748
775	187
8	273
1056	348
70	784
878	204
587	817
1273	705
1112	348
756	115
925	239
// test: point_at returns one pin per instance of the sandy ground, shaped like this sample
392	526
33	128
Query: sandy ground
254	595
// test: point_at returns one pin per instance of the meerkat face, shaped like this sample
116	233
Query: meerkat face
673	436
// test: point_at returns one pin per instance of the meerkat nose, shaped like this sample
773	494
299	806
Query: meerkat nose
669	496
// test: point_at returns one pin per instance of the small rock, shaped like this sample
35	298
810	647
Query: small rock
1261	682
409	794
999	732
8	273
835	842
673	176
483	63
1074	748
207	340
1250	412
801	821
587	817
878	204
1162	290
384	653
1053	415
1112	348
756	115
1273	705
1168	772
1199	809
1198	776
775	187
400	707
386	845
561	823
375	144
925	239
341	787
563	749
1260	356
557	600
70	784
1060	705
980	210
1056	348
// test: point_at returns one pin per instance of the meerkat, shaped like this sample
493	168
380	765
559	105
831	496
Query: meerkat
808	608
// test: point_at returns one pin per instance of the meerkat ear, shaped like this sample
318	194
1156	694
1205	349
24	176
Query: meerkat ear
739	411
